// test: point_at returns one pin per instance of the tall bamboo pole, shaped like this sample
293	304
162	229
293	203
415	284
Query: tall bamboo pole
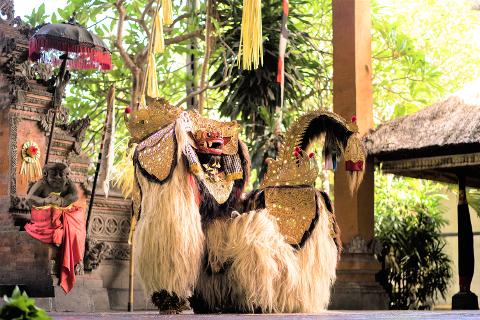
130	280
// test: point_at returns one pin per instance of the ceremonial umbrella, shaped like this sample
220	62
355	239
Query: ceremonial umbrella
69	45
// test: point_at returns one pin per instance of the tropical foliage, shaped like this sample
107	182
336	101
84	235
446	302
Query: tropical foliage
20	306
253	96
414	62
408	219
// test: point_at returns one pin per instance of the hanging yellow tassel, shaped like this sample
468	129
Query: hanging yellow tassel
251	46
167	11
152	83
158	39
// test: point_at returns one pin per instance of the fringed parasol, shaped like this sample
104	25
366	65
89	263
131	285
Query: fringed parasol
85	50
71	46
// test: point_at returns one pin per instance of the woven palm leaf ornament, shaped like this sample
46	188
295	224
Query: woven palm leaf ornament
158	38
167	11
31	168
156	44
250	51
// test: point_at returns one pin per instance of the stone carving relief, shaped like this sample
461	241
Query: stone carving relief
77	129
13	120
113	230
45	122
7	14
119	252
360	245
40	72
96	251
110	227
19	203
7	10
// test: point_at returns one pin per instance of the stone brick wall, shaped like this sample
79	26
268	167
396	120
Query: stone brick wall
25	98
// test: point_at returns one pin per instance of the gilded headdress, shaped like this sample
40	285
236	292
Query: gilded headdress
295	167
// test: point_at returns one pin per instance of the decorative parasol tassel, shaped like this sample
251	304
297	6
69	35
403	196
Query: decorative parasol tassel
167	11
158	39
152	83
250	51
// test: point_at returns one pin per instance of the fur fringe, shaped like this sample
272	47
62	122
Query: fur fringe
168	240
317	262
264	273
258	261
124	172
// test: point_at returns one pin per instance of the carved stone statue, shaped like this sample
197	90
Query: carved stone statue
57	220
56	188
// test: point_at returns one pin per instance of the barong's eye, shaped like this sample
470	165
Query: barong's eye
209	134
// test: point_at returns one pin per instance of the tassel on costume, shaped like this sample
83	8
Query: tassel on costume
354	157
251	47
158	39
152	83
167	11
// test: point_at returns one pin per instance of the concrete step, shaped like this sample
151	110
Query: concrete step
87	295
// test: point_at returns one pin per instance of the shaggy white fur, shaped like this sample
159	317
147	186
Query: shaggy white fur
168	240
317	262
264	271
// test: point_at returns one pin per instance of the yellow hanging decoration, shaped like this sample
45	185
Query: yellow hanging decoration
167	11
152	83
31	161
158	40
251	46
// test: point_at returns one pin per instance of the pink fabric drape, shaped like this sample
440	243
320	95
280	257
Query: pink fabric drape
61	225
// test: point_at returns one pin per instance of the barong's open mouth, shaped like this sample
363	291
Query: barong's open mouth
210	142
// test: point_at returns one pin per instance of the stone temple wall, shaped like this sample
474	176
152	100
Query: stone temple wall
26	92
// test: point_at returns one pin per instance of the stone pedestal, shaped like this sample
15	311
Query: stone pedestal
356	288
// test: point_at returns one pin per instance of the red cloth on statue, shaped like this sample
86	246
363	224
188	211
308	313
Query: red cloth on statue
57	226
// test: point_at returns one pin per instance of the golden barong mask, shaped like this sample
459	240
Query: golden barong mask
153	128
210	136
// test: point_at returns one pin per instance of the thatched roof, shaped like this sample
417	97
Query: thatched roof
439	142
450	126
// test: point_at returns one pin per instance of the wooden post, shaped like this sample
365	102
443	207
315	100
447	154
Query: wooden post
352	95
465	299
